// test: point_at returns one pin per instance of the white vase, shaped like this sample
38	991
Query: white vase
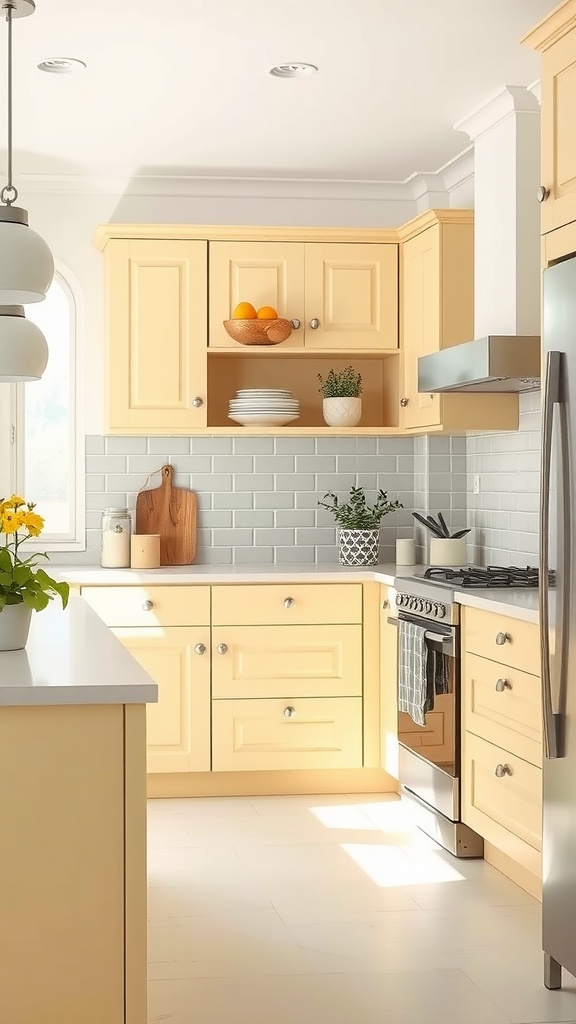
358	547
448	551
342	412
14	626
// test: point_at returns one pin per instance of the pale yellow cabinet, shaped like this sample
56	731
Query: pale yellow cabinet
156	367
388	682
502	736
344	295
437	311
167	630
287	677
555	38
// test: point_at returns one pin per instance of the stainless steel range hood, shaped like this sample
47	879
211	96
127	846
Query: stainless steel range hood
500	362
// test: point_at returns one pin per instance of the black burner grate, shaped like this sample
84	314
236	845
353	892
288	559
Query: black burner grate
491	576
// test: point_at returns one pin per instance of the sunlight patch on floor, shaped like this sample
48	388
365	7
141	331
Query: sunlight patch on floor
388	866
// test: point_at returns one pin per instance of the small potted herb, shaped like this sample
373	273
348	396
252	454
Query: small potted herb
342	405
359	524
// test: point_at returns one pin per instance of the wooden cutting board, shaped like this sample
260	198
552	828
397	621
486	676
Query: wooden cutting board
171	512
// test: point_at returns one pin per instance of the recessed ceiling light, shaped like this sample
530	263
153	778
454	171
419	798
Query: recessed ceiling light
61	65
293	70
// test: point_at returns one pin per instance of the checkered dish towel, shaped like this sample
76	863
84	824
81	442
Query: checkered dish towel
413	695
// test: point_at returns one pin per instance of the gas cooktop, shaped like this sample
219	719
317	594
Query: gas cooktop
491	576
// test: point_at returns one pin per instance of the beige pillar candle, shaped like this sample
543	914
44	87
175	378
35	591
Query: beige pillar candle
145	550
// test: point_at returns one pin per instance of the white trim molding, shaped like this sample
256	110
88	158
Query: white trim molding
510	99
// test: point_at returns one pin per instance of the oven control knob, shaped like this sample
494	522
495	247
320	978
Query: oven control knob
441	613
399	600
428	607
420	606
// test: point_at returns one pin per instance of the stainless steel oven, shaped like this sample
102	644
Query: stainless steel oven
429	760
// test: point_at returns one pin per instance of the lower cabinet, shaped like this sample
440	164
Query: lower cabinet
178	726
308	733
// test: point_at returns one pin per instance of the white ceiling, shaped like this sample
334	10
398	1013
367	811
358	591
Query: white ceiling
182	87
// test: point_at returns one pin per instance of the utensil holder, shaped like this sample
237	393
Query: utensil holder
447	551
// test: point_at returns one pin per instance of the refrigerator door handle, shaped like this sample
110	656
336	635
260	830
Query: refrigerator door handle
552	398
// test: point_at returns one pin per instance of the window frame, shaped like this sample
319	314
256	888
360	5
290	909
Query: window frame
12	427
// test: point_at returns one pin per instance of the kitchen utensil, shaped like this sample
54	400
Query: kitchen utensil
442	522
171	512
431	526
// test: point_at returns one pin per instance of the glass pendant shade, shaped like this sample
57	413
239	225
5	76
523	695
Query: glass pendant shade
23	348
26	263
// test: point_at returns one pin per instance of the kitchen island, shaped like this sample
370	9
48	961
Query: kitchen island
73	825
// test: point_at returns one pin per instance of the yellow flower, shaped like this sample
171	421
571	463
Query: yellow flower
9	522
33	523
14	501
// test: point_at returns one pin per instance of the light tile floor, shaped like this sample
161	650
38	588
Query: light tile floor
333	910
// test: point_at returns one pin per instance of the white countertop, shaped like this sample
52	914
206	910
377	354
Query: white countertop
520	604
72	658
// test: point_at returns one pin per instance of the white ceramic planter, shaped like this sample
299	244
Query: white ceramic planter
358	547
14	626
342	412
447	551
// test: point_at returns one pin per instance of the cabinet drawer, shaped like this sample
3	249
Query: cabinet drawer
254	735
502	705
150	606
287	604
506	811
271	661
521	648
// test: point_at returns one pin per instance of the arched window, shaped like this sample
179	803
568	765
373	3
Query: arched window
46	457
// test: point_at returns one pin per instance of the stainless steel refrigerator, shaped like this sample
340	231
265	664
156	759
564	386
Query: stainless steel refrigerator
558	621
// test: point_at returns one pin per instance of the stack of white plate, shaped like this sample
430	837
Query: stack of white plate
270	407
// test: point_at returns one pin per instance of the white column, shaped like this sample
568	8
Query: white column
506	136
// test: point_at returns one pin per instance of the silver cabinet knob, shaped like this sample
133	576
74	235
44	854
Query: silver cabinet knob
503	684
200	649
197	402
148	606
403	402
502	770
222	648
502	638
289	602
385	604
542	193
296	323
314	324
289	712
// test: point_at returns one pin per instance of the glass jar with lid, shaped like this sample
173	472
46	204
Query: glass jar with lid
116	531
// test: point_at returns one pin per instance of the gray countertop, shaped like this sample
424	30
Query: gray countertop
72	658
520	604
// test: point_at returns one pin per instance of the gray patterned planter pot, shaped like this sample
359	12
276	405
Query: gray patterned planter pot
358	547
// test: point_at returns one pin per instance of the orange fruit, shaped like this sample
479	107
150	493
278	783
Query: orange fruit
244	311
267	313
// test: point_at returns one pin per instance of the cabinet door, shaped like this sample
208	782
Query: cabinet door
156	340
388	683
421	322
263	273
178	726
271	661
558	135
352	291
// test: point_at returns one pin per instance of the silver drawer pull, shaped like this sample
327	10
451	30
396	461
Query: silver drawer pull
502	770
503	684
148	606
289	712
289	602
503	638
222	648
200	649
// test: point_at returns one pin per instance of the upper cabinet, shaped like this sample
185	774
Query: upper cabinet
437	311
340	296
555	39
156	376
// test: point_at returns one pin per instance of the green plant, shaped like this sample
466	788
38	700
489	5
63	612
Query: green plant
21	581
356	514
344	383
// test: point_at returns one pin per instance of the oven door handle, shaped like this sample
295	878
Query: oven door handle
440	638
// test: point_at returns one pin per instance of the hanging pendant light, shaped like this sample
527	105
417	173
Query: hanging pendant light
23	348
26	263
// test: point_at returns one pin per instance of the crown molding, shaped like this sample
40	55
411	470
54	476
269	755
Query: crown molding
430	218
536	89
555	25
511	99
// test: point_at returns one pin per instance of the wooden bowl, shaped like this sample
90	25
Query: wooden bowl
259	332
